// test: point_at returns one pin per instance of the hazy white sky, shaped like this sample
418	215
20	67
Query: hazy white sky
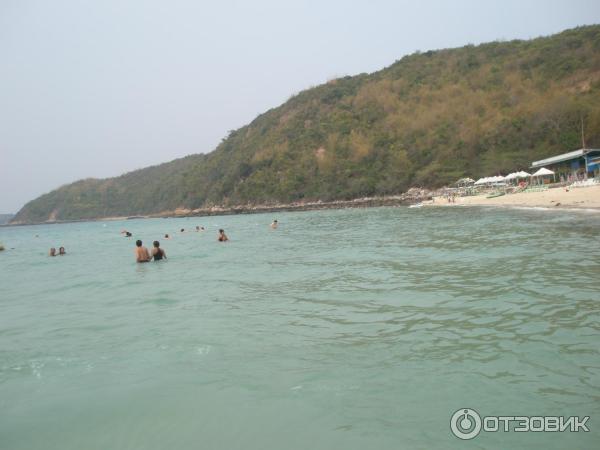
98	88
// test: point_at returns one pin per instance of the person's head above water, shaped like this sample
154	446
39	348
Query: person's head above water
166	236
138	243
222	236
52	251
61	251
156	244
182	230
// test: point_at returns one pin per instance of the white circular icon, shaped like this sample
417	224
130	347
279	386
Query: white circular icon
465	423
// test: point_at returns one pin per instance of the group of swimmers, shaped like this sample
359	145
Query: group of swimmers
142	254
198	229
61	252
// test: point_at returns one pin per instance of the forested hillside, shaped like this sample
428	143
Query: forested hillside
426	120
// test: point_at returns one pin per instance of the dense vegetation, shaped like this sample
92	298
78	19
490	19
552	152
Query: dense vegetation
426	120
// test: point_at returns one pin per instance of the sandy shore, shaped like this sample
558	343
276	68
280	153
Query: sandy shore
585	197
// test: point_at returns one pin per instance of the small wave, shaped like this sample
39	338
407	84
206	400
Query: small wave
555	209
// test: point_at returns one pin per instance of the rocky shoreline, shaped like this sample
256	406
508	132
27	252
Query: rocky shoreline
412	196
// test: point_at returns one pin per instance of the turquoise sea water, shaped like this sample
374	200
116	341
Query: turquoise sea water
346	329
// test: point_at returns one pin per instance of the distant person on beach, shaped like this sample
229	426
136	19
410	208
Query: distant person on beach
141	253
222	236
157	252
61	251
274	224
52	252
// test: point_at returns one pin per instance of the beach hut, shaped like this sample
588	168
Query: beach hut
465	186
577	164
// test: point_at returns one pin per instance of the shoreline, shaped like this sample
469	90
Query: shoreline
582	198
408	198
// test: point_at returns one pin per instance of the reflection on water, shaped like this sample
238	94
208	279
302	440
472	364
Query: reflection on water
340	329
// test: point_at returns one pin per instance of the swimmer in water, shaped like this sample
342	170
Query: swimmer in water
222	236
182	230
274	224
157	252
52	252
167	236
61	251
141	253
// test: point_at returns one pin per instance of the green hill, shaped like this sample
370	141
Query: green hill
426	120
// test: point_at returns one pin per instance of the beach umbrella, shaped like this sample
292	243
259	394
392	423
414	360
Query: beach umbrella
523	174
543	171
465	181
511	176
481	181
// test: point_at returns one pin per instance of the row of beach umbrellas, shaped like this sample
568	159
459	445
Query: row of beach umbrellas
512	176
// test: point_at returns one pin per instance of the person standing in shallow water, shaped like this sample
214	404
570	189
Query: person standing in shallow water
52	252
141	253
157	252
222	236
274	224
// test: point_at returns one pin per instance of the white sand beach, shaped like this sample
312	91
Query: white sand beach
584	197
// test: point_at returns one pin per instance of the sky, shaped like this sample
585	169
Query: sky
100	88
